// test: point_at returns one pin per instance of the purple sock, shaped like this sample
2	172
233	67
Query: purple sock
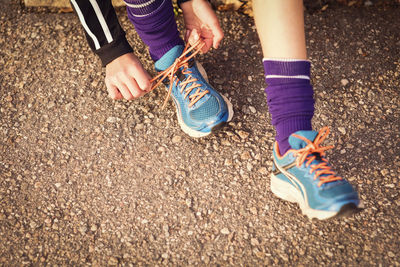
155	23
289	97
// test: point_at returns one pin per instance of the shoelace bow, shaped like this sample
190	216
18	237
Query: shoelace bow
182	61
307	152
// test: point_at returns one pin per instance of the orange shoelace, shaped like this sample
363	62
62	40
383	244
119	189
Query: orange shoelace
307	153
182	61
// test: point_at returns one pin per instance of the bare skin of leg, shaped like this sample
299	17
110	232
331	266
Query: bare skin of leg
280	27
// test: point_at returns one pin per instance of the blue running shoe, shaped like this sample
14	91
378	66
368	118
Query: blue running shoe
303	175
200	109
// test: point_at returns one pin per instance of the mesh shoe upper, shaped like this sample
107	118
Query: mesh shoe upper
199	106
306	168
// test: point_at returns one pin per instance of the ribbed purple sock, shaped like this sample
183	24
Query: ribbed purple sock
289	97
155	23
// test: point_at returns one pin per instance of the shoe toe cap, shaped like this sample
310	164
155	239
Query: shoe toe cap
209	110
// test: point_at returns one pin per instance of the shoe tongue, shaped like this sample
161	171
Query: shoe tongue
297	143
169	58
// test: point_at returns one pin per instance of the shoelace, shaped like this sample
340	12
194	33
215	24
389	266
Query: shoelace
307	152
182	61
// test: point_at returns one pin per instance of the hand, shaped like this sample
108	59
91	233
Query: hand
201	22
126	77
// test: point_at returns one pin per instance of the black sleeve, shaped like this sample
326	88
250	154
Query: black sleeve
103	31
179	2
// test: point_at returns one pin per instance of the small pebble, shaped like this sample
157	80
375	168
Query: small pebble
176	139
112	261
225	231
254	242
111	119
243	134
342	130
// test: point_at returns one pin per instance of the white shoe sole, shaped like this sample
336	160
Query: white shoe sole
288	192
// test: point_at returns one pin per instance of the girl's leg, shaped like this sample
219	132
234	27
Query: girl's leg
280	26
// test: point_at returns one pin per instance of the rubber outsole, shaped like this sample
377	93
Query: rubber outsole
286	191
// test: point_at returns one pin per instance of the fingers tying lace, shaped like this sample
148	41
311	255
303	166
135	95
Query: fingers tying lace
183	61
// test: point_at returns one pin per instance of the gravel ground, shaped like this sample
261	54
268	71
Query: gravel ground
90	181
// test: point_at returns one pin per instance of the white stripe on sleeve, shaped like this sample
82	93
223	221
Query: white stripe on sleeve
102	21
85	26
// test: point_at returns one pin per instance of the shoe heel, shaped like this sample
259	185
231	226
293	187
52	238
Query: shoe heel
283	189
